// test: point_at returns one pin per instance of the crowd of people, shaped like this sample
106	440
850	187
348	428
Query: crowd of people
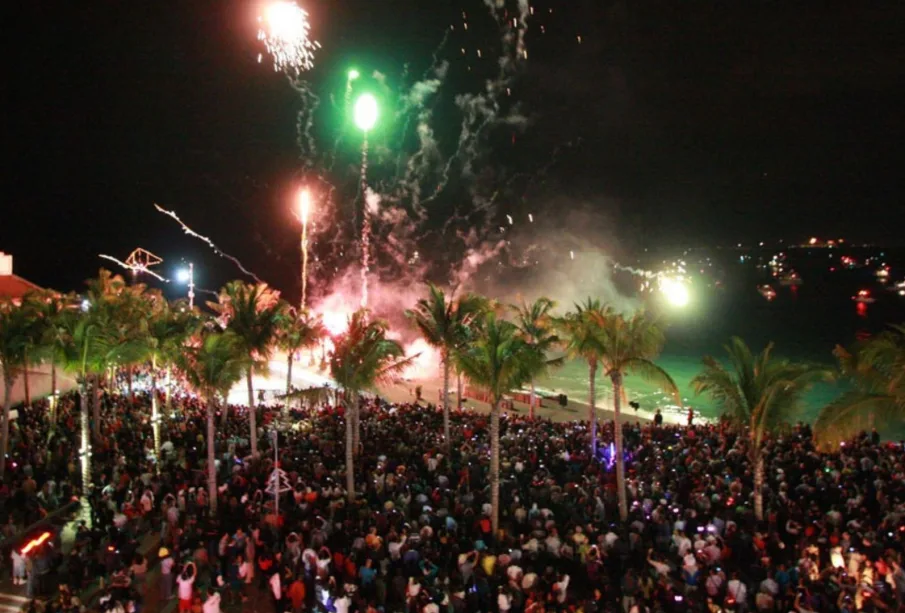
418	537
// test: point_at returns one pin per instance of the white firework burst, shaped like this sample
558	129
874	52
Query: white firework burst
284	31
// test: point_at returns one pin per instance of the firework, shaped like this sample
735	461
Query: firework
304	209
284	31
210	243
366	112
133	269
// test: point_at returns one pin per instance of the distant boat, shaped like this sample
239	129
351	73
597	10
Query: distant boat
863	296
767	291
899	288
790	279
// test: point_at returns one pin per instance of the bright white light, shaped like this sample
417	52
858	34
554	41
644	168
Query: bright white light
284	31
304	205
183	275
86	305
675	291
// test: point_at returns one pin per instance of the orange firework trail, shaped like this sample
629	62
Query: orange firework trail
209	242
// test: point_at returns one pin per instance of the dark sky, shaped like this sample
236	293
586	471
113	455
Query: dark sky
700	122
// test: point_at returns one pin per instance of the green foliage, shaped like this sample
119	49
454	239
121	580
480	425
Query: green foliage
213	362
761	391
443	322
876	369
499	359
630	344
298	330
17	331
536	325
363	356
582	331
253	313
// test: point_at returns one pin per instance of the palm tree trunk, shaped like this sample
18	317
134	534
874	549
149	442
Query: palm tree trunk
446	432
531	401
25	379
288	382
155	414
85	421
356	423
616	378
96	402
4	428
759	485
592	405
252	416
350	444
495	464
53	392
211	455
168	403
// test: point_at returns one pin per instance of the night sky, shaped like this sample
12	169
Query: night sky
679	122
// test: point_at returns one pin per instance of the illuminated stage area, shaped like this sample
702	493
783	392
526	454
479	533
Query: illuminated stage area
273	384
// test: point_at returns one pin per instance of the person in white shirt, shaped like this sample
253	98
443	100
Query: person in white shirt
737	590
503	601
276	590
661	568
212	603
186	583
561	589
342	604
682	542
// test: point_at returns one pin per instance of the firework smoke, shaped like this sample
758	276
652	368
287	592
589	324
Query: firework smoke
210	243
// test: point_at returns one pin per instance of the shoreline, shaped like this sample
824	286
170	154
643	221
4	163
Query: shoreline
403	392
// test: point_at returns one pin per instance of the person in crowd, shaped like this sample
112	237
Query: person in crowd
417	535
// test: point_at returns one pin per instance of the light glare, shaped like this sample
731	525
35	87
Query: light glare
366	112
284	31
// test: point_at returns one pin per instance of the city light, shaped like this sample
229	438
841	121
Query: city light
183	275
354	74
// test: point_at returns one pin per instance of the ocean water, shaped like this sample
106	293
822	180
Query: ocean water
804	323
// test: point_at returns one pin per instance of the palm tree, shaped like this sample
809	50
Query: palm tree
584	341
132	309
629	345
49	307
536	326
252	312
876	368
758	391
443	323
298	331
363	357
169	326
212	364
16	332
102	310
499	360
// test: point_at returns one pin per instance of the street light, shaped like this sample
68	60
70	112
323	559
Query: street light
187	275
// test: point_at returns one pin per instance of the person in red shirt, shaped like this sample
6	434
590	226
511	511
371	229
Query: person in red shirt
296	594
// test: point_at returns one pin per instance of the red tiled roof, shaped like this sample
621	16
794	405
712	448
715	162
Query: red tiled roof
14	286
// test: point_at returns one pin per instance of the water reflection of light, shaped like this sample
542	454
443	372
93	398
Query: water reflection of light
861	309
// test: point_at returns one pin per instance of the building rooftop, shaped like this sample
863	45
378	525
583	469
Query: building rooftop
12	286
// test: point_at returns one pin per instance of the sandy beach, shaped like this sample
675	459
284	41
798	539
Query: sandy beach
574	410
